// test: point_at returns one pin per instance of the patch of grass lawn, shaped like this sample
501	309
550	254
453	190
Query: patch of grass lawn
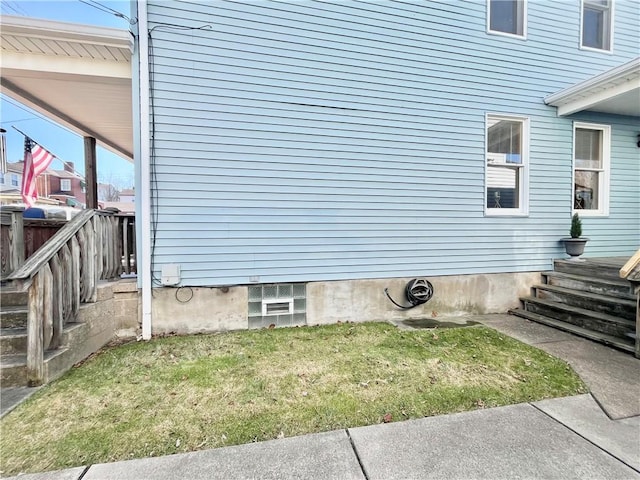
180	394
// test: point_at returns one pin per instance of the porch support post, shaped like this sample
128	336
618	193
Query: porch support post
90	172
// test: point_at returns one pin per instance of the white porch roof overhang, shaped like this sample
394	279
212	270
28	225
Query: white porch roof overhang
77	75
615	91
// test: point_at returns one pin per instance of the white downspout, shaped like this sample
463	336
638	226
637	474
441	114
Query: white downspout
145	168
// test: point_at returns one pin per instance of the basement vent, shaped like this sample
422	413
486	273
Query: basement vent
281	305
277	307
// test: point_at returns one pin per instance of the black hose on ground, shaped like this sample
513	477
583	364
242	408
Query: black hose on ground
418	291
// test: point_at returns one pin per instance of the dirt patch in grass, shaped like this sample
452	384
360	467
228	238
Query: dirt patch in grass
181	394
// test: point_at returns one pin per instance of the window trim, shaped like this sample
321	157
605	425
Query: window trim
65	181
14	179
604	180
611	28
507	34
523	209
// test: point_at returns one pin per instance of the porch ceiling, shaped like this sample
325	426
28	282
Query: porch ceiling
615	91
77	75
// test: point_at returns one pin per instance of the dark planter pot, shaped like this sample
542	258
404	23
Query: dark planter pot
575	246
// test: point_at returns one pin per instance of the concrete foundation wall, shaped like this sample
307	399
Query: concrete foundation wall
127	308
195	310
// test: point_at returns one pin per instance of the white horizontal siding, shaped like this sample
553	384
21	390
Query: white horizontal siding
301	141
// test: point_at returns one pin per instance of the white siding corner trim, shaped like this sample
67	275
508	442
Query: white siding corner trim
145	170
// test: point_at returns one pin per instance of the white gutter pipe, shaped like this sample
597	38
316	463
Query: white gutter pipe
145	168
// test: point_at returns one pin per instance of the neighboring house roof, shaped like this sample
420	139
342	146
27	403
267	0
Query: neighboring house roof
15	167
63	174
615	91
124	207
68	72
127	191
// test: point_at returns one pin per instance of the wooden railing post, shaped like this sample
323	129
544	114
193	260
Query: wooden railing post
631	272
35	340
12	248
57	301
75	277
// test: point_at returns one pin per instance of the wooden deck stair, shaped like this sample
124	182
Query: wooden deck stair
586	298
50	315
13	343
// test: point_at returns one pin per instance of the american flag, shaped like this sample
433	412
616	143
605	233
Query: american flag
36	161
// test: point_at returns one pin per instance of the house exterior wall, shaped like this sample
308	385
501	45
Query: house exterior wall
331	141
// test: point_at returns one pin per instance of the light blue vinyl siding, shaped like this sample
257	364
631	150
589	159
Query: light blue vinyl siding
307	141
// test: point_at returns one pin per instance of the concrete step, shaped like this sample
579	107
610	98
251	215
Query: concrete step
13	361
13	368
13	316
614	288
593	268
618	307
587	319
14	340
624	344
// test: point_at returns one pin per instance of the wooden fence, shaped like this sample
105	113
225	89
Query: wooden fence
64	273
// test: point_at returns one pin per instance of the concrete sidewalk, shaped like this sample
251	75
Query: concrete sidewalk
588	436
555	439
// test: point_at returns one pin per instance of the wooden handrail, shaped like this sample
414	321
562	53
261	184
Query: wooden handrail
631	269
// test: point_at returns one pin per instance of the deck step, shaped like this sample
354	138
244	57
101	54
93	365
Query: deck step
590	267
12	298
626	345
618	307
597	321
13	340
614	288
13	316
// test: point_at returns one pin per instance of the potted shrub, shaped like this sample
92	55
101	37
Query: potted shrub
575	244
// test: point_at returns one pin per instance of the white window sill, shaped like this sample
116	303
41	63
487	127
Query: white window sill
590	213
599	50
506	34
505	212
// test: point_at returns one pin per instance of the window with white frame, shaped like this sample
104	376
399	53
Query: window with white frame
591	160
507	17
507	159
15	180
597	24
65	185
1	178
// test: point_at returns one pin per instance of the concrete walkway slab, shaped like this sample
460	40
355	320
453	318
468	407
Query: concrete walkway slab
11	397
515	442
621	438
613	377
69	474
325	455
526	331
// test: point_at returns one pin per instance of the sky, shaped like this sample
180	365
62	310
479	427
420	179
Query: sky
63	143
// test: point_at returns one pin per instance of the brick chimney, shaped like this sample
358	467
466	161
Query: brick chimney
69	167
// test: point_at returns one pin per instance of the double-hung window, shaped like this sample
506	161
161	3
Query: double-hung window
65	185
507	17
591	163
597	24
507	164
15	180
